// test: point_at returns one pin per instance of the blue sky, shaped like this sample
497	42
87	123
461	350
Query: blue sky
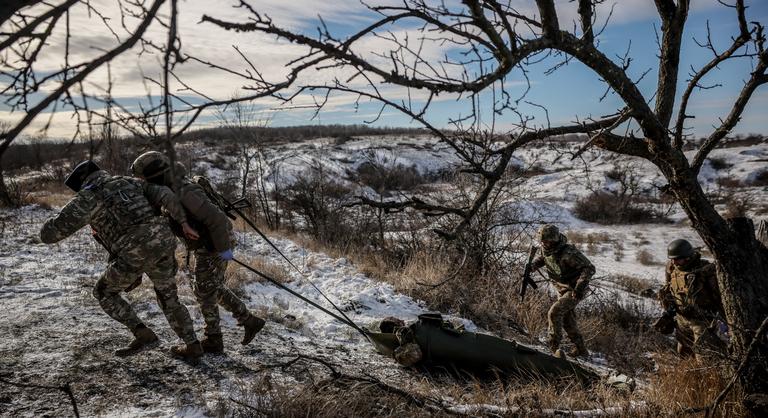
571	93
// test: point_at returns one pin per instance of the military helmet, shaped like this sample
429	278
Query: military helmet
679	248
150	164
549	232
76	178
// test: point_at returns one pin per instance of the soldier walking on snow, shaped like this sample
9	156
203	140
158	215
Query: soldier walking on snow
120	211
212	251
691	300
570	272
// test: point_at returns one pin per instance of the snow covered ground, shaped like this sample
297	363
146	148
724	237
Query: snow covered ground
55	333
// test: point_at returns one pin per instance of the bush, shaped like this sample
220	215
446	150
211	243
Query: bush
760	179
645	258
609	209
719	163
383	178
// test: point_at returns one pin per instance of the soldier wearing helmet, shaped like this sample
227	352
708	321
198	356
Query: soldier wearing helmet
212	250
120	210
570	271
691	294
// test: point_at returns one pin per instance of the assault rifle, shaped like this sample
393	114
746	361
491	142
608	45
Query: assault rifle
225	205
527	280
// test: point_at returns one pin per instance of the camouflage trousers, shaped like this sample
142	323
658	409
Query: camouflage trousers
154	255
696	337
562	316
211	292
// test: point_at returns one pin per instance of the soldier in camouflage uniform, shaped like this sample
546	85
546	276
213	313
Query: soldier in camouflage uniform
212	251
691	295
119	209
570	271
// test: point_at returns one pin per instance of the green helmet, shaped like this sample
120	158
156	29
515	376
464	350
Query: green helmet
150	164
549	232
679	248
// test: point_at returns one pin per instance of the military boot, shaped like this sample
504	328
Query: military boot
213	343
252	326
189	352
143	338
553	344
579	349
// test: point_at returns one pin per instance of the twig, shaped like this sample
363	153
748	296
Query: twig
66	388
758	335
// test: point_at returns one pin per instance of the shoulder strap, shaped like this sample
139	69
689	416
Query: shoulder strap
213	195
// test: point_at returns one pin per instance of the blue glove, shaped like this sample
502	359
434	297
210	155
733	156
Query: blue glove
226	255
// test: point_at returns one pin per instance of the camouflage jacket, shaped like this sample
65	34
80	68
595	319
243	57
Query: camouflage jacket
116	207
692	290
205	217
566	266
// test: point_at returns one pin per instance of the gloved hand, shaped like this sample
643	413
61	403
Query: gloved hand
227	255
190	232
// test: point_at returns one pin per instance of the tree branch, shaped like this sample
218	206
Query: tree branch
738	42
757	79
8	136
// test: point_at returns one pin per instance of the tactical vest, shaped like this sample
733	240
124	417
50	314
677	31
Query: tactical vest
555	271
122	205
690	290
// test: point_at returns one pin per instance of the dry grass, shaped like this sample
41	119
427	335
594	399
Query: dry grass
620	333
631	284
681	383
324	395
51	195
646	258
238	277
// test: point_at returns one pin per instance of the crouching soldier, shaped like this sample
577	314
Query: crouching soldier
212	251
691	301
120	211
570	271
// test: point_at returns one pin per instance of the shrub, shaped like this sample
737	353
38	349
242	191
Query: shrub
760	179
608	209
719	163
645	258
383	179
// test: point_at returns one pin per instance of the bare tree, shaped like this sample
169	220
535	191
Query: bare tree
31	30
487	42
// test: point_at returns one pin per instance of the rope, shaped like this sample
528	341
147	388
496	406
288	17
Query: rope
274	281
303	275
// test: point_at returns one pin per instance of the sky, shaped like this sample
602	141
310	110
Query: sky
572	93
